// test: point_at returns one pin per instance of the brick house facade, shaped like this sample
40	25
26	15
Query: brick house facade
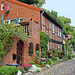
53	29
25	13
29	13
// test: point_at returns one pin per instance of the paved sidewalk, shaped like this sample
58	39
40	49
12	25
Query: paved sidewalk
65	68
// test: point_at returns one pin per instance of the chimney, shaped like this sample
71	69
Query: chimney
34	5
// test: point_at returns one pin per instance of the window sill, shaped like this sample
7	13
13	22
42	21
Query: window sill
2	9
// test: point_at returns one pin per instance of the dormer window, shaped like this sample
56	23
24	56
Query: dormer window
2	6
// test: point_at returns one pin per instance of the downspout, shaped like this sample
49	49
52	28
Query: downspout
41	19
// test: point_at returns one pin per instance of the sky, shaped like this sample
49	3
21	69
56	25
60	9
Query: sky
64	8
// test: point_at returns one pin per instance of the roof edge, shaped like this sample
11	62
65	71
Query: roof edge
52	18
25	5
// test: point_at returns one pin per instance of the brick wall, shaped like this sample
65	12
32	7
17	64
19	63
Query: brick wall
47	27
24	12
34	31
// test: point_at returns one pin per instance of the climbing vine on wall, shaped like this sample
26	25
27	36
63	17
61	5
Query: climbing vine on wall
7	32
44	40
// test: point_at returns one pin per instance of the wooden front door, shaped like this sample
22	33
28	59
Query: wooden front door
19	51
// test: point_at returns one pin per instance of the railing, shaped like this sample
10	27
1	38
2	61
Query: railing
25	26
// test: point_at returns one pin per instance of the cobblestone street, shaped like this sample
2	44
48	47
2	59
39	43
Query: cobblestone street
65	68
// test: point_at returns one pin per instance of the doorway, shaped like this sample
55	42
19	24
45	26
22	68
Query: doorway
19	51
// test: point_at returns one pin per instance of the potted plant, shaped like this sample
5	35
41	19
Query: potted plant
36	21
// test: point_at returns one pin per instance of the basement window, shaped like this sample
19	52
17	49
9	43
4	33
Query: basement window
2	6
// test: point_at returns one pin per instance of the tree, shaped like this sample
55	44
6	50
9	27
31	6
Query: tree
39	3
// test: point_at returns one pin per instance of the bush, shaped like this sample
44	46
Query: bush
60	57
73	56
49	61
37	65
9	70
69	57
32	62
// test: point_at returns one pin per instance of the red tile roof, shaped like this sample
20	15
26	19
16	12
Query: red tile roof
25	5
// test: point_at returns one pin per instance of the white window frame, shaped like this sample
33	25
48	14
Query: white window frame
52	28
60	47
13	19
58	31
48	45
2	5
8	21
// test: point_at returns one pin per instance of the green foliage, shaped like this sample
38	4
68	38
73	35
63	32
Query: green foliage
9	70
55	52
73	56
61	55
22	70
37	65
49	61
49	52
37	57
32	62
43	54
44	40
26	68
39	3
7	32
69	56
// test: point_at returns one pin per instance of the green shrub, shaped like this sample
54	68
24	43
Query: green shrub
37	65
73	56
54	58
69	56
32	62
9	70
49	61
60	56
22	70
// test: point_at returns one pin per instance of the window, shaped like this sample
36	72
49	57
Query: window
7	21
52	28
2	6
20	20
37	47
58	47
48	45
13	21
30	48
58	31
